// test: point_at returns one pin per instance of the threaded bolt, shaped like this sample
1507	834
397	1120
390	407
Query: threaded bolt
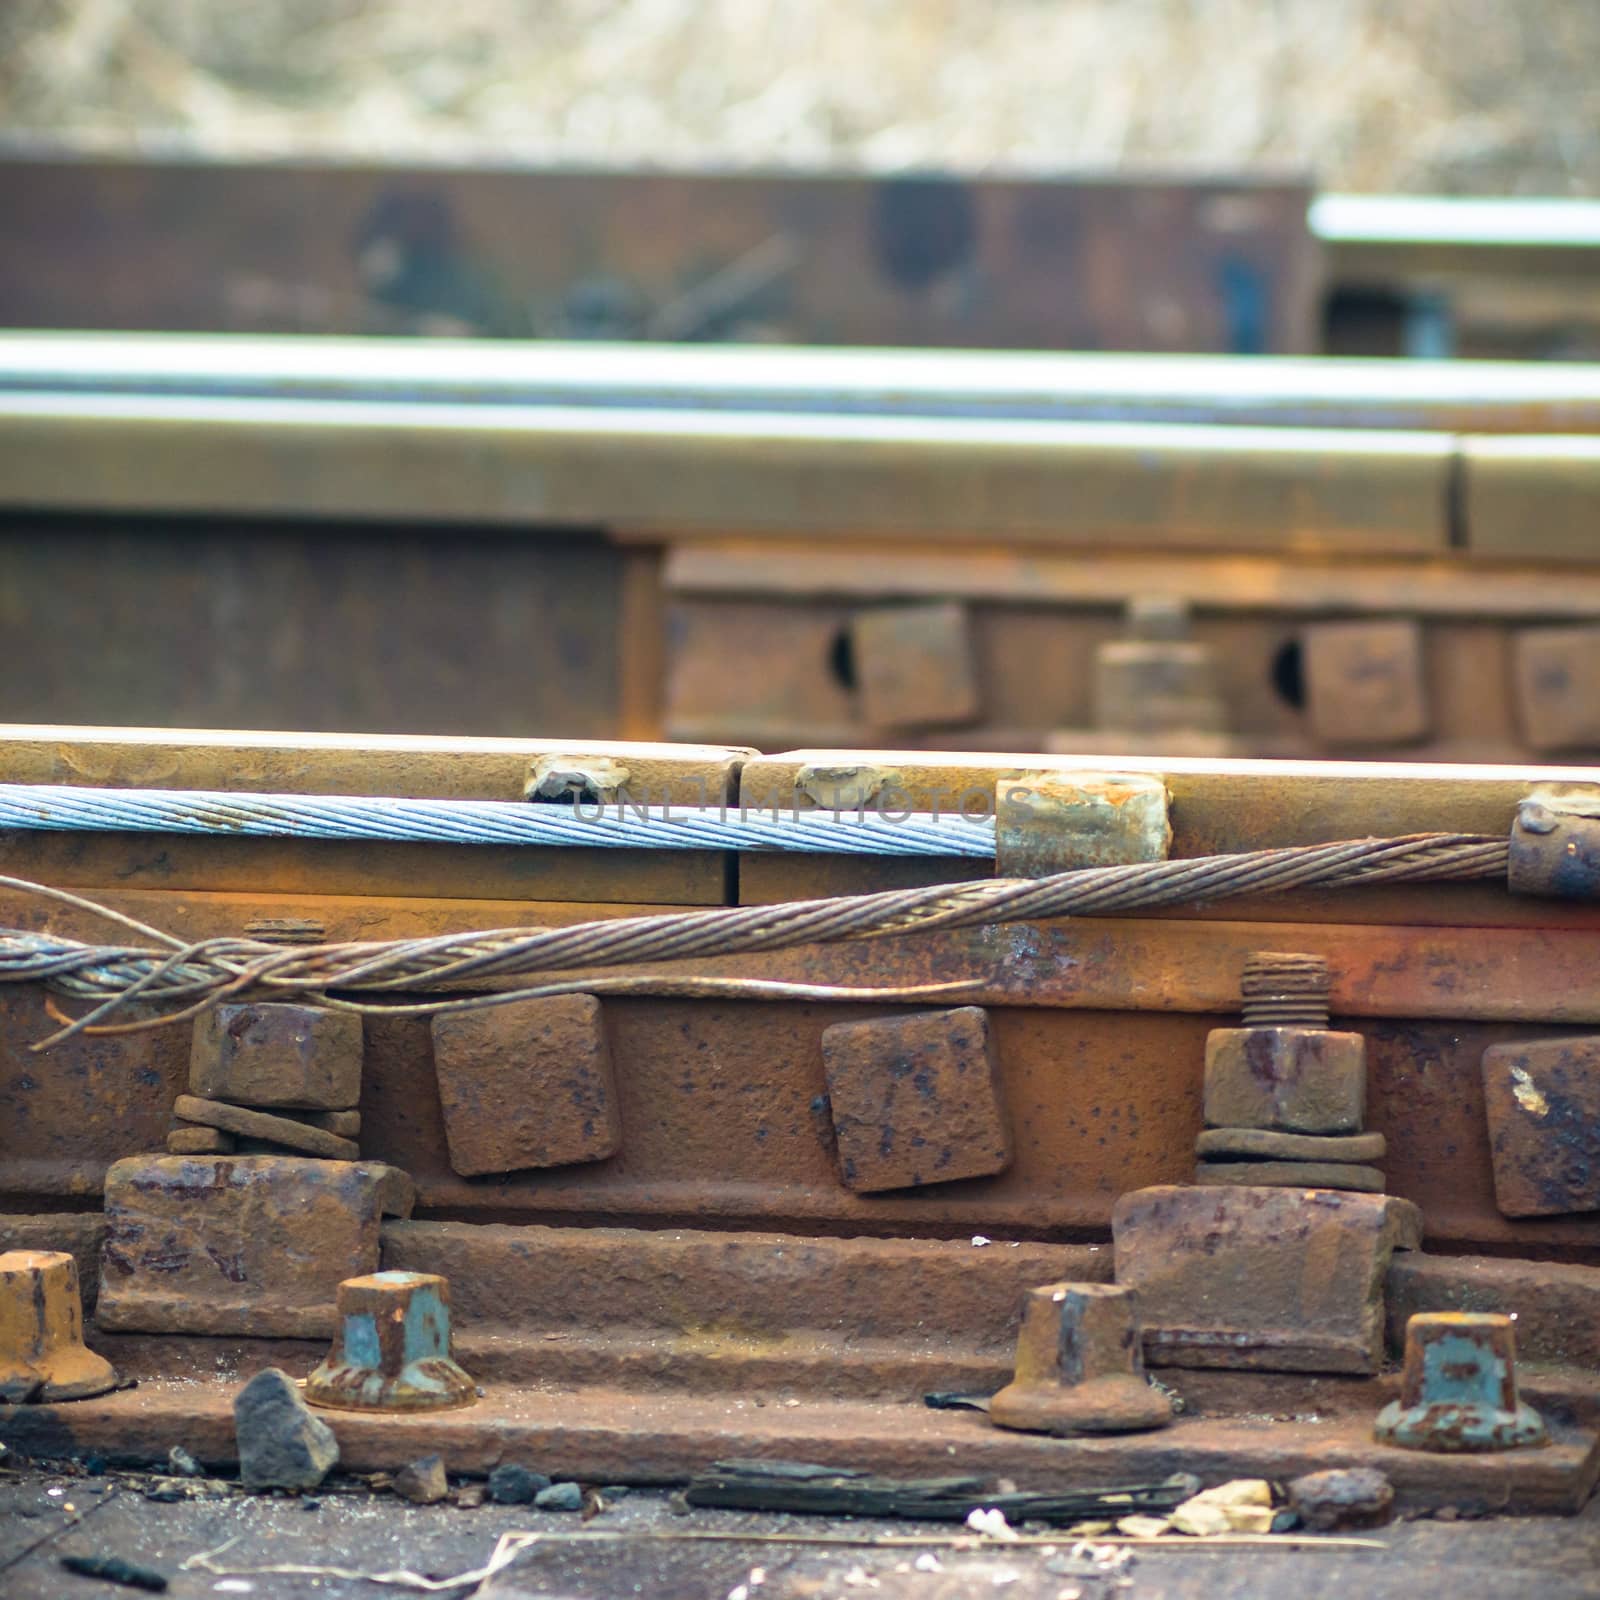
1282	989
287	930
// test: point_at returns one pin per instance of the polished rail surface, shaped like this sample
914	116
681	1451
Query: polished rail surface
1264	391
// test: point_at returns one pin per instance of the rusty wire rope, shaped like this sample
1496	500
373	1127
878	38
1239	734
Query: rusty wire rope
191	977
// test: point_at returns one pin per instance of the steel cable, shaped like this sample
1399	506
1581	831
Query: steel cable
194	976
616	825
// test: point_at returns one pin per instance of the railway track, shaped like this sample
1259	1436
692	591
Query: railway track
693	1220
1339	557
761	1202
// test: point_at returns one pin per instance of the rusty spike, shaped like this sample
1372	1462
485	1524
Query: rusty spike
1459	1389
392	1350
42	1353
1080	1365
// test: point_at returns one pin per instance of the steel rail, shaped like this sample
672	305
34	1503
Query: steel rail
1261	391
740	472
1353	220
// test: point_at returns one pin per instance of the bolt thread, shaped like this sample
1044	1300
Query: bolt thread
1282	989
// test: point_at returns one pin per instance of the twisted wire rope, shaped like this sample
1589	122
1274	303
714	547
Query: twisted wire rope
196	975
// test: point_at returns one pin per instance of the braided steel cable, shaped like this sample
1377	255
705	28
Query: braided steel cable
195	976
617	825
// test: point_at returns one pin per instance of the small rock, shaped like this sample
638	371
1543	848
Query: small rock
1249	1519
1350	1497
559	1497
1137	1527
1242	1505
281	1444
511	1485
1239	1492
183	1463
1201	1518
991	1524
616	1491
1445	1514
471	1495
1284	1521
1088	1530
423	1483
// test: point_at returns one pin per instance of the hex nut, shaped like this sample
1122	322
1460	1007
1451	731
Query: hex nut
914	665
271	1054
1365	682
527	1084
1542	1100
915	1099
1300	1080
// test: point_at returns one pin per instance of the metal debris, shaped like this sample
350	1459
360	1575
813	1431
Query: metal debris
113	1569
842	1491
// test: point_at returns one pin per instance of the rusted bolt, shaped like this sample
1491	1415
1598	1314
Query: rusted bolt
1285	1095
392	1350
1282	989
42	1353
1080	1365
1459	1388
1285	1068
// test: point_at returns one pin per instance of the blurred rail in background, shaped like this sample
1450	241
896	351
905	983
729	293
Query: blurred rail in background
1237	265
594	514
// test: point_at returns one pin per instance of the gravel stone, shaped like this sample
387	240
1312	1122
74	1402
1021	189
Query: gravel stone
559	1497
282	1445
513	1485
1350	1497
423	1483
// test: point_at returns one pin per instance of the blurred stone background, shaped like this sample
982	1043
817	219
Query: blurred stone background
1449	96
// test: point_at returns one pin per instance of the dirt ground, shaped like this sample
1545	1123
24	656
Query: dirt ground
644	1545
1456	96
